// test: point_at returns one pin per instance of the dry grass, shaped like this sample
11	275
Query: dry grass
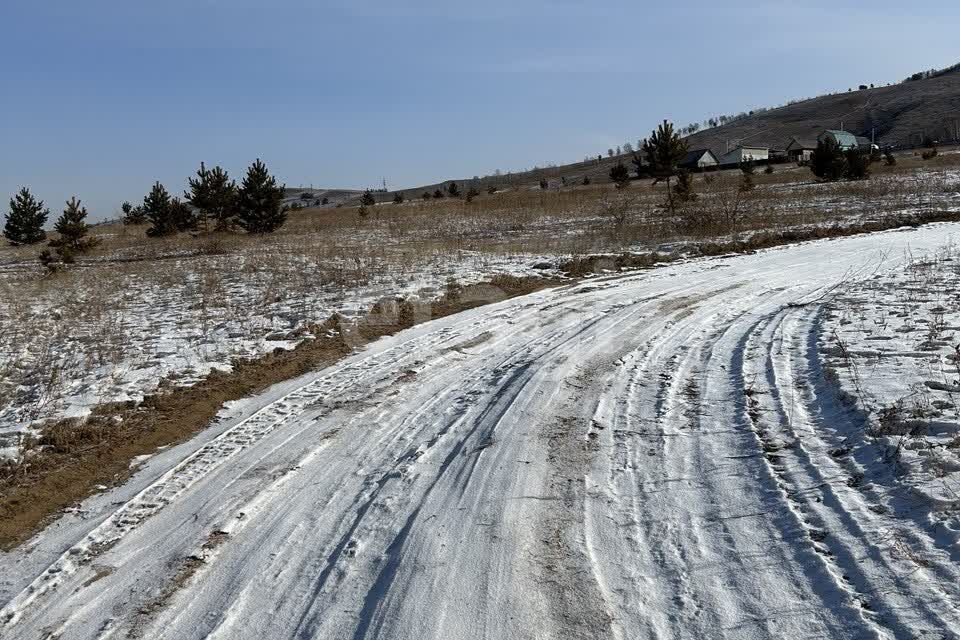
71	458
85	322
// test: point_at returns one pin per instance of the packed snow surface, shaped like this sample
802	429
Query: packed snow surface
637	456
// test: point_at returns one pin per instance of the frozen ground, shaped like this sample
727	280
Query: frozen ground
892	342
136	315
67	348
657	455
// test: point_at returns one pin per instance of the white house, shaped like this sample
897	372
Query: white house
745	154
699	159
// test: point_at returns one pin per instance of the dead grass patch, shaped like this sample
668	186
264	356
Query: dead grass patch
71	459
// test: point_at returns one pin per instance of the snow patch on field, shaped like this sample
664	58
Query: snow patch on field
893	344
116	340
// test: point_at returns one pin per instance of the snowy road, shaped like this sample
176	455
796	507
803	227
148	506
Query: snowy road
641	456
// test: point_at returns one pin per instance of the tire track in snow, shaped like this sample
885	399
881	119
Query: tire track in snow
677	527
681	540
833	509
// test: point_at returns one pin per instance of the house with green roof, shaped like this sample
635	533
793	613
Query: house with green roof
844	139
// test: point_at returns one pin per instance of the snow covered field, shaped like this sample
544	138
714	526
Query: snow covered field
116	337
663	454
892	342
141	313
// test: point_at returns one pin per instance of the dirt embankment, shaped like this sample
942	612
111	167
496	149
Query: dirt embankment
71	458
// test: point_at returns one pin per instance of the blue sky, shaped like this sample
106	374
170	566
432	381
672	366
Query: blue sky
102	97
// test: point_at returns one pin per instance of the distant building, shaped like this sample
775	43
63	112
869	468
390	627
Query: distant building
800	149
745	154
699	159
844	139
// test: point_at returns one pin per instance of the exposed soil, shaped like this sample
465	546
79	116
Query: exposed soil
73	459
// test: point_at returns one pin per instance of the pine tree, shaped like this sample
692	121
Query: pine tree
214	197
858	164
453	190
620	175
258	201
367	199
426	195
827	161
72	229
398	198
132	214
156	209
438	194
26	219
683	190
182	217
664	150
747	171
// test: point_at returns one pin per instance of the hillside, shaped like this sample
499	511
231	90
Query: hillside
902	114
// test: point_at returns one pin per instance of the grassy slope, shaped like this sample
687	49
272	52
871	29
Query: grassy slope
901	114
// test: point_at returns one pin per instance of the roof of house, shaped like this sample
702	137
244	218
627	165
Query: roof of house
745	148
801	144
843	138
693	157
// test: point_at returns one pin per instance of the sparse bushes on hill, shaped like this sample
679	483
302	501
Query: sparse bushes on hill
398	198
437	194
933	73
426	195
472	193
930	153
258	201
889	159
492	189
25	219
